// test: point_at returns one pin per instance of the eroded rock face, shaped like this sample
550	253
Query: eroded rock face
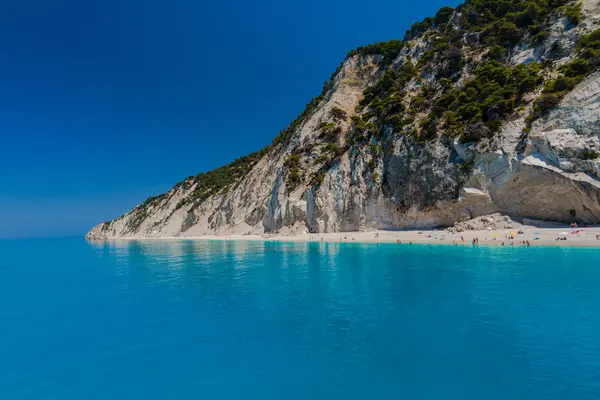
550	172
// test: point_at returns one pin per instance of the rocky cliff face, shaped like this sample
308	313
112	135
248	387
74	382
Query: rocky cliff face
379	149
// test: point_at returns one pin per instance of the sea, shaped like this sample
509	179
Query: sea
278	320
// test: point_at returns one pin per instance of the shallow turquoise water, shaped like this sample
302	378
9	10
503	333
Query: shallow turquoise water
251	320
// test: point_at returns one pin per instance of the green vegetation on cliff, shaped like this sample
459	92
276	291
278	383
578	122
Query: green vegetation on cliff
389	50
207	184
141	212
432	97
587	60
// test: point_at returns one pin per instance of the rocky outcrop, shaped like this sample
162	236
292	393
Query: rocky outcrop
548	170
486	222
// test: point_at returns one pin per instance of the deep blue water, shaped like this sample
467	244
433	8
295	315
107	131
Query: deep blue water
252	320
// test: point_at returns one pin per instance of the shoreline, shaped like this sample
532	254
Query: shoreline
537	237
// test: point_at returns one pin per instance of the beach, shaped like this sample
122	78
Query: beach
586	236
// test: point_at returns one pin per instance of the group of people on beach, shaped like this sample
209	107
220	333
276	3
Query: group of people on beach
523	242
462	239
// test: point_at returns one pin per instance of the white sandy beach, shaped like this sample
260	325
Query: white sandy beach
535	236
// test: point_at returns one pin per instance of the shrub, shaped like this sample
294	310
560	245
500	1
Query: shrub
545	103
589	47
496	53
418	28
573	13
357	119
560	84
588	154
445	83
417	103
466	167
376	149
443	16
317	178
409	69
502	32
528	16
452	59
389	50
428	128
541	37
338	114
292	165
556	50
575	68
322	158
476	132
591	40
329	131
332	149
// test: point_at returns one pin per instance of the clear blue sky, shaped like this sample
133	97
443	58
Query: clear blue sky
105	103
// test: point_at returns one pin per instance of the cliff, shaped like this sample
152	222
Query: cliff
490	107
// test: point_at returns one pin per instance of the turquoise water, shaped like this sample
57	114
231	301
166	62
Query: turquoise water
251	320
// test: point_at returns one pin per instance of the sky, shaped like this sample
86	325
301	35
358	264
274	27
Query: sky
103	104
